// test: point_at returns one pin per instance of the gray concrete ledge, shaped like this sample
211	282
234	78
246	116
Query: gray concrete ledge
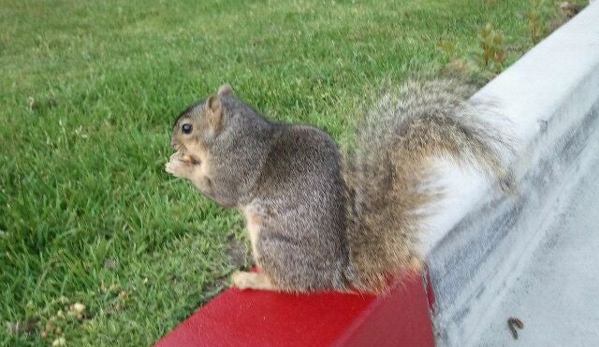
480	239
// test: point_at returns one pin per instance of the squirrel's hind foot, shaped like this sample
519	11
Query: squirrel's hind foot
252	280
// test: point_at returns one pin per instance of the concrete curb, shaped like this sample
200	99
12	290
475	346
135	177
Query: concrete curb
551	96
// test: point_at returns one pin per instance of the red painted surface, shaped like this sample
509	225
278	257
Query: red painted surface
259	318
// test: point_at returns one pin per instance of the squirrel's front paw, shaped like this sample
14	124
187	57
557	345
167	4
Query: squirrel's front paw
178	168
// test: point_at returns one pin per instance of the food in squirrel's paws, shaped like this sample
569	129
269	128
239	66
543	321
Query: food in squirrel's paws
181	156
188	159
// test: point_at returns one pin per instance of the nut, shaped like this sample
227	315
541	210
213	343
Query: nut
78	307
59	342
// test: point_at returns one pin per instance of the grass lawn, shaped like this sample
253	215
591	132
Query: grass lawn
89	91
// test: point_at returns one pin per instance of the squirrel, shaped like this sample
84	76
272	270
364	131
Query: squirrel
319	220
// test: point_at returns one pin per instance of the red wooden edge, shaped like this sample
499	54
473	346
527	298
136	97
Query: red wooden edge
259	318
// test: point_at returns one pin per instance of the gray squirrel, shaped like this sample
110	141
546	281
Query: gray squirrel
319	220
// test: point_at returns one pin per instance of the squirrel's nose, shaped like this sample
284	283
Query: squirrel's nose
174	145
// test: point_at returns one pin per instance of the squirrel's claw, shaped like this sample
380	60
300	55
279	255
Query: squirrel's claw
251	280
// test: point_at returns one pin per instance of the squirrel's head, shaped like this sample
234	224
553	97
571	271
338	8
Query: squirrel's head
226	141
199	125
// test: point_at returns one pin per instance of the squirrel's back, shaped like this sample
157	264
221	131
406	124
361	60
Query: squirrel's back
300	199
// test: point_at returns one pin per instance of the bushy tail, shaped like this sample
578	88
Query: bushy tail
389	175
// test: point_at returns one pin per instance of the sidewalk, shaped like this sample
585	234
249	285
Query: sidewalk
555	294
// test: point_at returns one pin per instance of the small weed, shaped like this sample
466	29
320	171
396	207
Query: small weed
447	46
536	25
493	54
456	67
544	16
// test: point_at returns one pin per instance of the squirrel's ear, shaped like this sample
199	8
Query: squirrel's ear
225	90
214	112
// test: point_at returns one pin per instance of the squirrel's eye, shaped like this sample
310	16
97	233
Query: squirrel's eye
187	128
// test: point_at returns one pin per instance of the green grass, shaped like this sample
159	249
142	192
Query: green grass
88	93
